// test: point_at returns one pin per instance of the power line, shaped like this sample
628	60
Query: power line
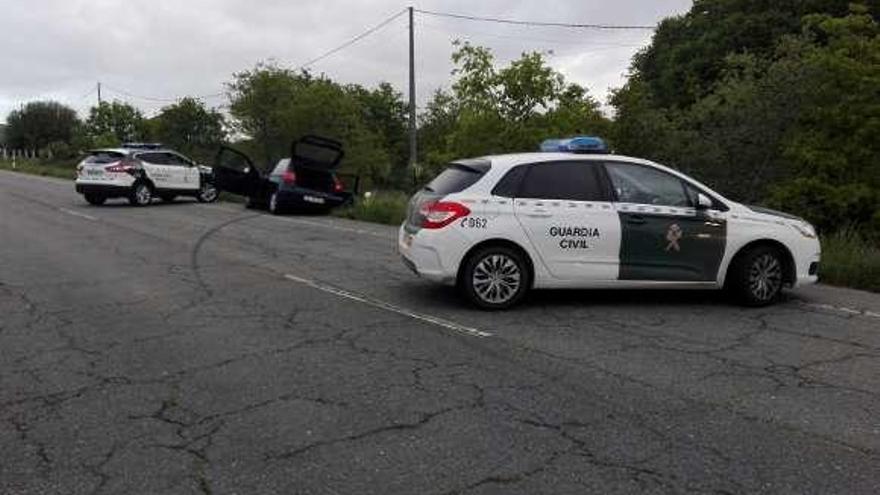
352	41
445	29
159	99
533	23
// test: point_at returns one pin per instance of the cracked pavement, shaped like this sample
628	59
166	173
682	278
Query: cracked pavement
161	350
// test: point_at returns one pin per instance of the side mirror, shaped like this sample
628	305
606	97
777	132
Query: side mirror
703	202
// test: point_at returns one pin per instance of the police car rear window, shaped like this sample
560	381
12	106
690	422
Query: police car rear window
458	177
104	157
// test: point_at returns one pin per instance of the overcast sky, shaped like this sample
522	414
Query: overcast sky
164	49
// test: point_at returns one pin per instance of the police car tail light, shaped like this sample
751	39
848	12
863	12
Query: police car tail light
439	214
288	177
121	166
338	186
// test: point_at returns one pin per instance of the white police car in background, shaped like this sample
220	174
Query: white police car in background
139	172
582	218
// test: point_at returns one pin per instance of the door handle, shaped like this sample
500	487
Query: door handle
636	220
539	214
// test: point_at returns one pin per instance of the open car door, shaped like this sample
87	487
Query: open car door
316	153
234	172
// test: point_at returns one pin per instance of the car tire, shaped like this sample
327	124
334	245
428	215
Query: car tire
757	276
168	198
207	193
274	205
495	277
141	194
95	199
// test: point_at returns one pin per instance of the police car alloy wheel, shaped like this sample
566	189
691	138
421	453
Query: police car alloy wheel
757	276
495	278
207	193
141	195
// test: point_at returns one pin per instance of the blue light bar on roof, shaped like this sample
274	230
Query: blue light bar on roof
579	144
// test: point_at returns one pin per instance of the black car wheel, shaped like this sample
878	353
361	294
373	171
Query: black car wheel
274	204
495	277
95	199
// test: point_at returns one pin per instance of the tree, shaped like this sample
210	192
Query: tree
511	108
793	125
686	57
38	124
110	124
275	106
190	127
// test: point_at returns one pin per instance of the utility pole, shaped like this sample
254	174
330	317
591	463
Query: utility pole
99	93
412	98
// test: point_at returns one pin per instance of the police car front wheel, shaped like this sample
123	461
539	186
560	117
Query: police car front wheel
207	193
495	277
757	276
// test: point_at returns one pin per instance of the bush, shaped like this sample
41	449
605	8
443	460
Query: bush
388	207
850	260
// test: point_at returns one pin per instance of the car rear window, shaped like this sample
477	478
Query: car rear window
458	177
103	157
281	167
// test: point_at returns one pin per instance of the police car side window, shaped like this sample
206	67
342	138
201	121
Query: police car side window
645	185
154	158
571	180
175	160
508	186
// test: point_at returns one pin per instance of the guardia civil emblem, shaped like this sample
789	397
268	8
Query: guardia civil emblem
673	235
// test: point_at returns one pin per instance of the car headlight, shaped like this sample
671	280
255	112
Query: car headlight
805	229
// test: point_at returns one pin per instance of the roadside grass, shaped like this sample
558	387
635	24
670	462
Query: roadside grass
61	170
387	207
849	260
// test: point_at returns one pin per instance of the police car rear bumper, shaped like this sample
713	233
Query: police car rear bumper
102	189
423	259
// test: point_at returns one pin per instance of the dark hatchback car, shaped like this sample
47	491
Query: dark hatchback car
307	181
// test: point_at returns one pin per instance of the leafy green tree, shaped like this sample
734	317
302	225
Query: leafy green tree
38	124
112	123
686	57
511	108
190	127
793	125
274	106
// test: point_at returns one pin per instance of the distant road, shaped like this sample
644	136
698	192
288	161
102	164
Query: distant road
192	348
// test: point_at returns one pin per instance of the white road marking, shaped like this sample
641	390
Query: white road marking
77	214
440	322
842	309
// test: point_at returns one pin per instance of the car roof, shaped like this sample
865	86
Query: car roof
514	159
504	162
126	151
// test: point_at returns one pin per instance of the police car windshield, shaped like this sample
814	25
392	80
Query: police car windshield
457	177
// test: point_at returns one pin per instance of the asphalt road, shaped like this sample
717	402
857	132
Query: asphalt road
192	348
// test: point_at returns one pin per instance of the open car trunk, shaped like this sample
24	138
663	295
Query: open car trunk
315	160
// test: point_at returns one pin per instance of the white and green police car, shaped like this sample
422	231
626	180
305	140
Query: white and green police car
579	217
